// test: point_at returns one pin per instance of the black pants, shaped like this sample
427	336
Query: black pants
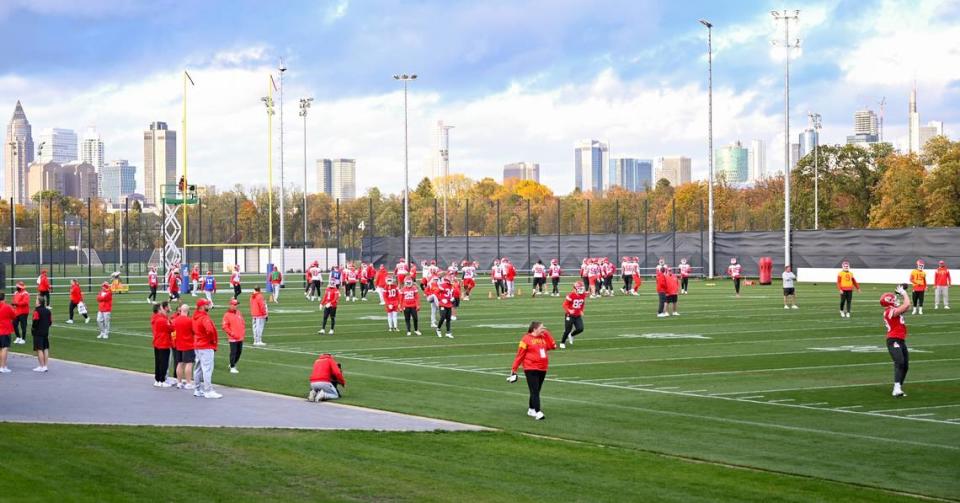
20	326
153	294
662	301
236	348
364	287
538	284
316	287
736	285
500	286
236	291
627	283
572	326
445	315
608	283
410	313
535	380
901	359
683	283
556	284
45	297
846	298
918	298
73	308
350	290
329	312
161	362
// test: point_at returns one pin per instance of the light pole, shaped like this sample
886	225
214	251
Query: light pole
304	106
406	165
816	124
445	163
268	102
786	17
283	254
709	146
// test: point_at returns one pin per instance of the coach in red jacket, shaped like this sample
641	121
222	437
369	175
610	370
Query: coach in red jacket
532	354
205	341
324	379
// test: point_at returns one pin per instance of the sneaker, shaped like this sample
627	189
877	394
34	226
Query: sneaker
920	309
69	322
45	368
212	394
312	397
408	334
179	385
539	416
233	370
330	332
105	336
570	340
662	315
165	385
86	320
786	306
794	307
676	313
321	331
449	335
946	307
848	315
914	311
454	318
189	385
440	335
39	369
320	396
562	346
197	393
5	370
531	412
156	384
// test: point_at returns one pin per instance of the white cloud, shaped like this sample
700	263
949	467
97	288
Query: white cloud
335	10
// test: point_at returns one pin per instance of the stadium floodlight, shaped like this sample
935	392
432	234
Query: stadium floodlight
786	17
710	265
406	166
304	106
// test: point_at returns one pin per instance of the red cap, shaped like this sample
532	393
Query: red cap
20	284
202	302
105	284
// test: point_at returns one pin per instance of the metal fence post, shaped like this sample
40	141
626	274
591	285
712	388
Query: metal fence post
435	233
338	234
370	232
89	243
466	226
588	228
617	211
13	240
558	230
673	224
236	233
126	238
646	207
701	237
498	228
529	230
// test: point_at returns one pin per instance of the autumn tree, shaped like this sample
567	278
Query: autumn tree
900	194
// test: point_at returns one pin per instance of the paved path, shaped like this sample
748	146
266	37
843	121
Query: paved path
87	394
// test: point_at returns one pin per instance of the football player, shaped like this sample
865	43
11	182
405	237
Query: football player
573	306
734	272
846	283
896	336
918	279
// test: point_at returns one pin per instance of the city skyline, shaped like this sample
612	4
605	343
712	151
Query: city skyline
526	107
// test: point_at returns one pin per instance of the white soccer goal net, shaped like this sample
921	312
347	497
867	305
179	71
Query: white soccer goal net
94	257
156	258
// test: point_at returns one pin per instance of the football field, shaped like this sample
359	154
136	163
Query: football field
736	398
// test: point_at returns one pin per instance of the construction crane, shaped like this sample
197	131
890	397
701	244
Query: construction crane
882	103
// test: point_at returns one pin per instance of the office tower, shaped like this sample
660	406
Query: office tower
809	139
117	181
18	155
591	158
522	171
344	179
57	145
81	180
91	149
675	170
631	174
757	161
732	163
928	132
43	176
794	154
913	130
324	177
159	161
865	129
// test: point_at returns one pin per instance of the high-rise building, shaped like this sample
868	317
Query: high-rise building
44	176
809	139
732	163
675	170
794	154
91	149
57	145
913	133
325	177
344	179
439	165
757	161
591	159
635	175
865	131
928	132
159	161
522	171
117	181
18	154
81	180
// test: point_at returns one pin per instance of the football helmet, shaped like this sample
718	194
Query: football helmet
408	282
920	265
683	261
888	299
733	260
845	265
391	280
578	287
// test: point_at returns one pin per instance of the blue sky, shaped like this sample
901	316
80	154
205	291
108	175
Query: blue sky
520	80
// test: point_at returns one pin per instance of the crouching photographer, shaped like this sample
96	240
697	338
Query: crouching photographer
325	378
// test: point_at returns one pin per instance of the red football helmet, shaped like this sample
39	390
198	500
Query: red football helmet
408	282
845	265
390	280
578	287
920	264
888	299
553	261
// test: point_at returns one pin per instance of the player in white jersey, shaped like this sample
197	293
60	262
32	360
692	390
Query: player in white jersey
684	275
539	272
555	271
469	278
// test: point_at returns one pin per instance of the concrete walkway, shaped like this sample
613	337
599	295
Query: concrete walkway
87	394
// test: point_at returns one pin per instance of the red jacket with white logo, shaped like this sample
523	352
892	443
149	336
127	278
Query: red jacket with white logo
331	296
532	353
325	369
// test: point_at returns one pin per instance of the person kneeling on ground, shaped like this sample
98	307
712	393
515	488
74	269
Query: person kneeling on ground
324	379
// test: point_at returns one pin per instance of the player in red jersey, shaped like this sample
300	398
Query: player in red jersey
573	307
896	336
410	302
445	296
555	272
637	279
532	354
329	304
391	298
194	280
672	283
351	277
941	282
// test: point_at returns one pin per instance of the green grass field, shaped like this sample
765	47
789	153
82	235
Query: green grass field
736	399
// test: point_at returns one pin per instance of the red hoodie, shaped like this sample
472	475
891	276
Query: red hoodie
162	328
204	331
76	294
532	353
325	369
43	283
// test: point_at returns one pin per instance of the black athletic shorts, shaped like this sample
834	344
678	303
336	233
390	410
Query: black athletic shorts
41	342
4	341
187	356
456	302
788	291
671	299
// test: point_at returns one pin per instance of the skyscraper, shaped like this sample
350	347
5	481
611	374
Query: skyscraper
928	132
913	133
757	161
630	174
159	161
675	170
732	163
344	177
57	145
117	180
91	149
591	158
81	180
325	177
18	154
809	139
522	171
864	128
794	154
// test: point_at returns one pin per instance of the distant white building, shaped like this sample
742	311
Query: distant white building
337	178
117	181
757	161
928	132
522	171
57	145
591	159
675	169
91	149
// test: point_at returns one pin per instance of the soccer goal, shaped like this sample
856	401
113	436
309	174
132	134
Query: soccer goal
156	258
93	257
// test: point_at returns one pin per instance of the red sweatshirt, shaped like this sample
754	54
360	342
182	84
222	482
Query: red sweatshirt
532	353
204	331
331	296
325	369
76	294
162	328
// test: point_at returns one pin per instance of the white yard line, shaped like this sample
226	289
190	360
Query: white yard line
918	408
730	393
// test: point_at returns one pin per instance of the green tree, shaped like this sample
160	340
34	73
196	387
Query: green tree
900	194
